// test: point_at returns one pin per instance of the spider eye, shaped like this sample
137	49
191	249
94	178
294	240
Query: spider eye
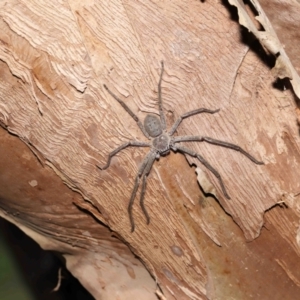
152	125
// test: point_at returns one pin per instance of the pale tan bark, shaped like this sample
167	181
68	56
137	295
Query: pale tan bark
55	58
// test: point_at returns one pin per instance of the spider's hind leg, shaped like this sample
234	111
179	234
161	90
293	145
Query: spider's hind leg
206	164
129	111
160	108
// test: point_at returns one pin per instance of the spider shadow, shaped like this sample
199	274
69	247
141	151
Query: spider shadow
205	200
206	195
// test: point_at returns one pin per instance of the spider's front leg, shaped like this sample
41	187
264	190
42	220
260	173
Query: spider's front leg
205	163
128	144
144	169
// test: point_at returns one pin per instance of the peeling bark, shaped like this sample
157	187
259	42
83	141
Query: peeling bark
54	60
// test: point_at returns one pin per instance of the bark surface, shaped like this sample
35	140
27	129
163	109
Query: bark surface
58	123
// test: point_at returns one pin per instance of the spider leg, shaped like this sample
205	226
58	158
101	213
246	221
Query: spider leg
128	144
129	111
146	173
142	168
205	163
160	108
218	143
189	114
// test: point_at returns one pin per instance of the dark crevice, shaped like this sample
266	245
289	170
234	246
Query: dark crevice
39	269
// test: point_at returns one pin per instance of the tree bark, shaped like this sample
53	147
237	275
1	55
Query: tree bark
59	123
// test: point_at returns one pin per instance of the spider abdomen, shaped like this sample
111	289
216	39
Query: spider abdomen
153	125
162	143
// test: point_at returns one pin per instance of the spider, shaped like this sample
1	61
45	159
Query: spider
161	143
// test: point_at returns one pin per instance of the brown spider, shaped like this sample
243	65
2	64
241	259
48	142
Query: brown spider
161	142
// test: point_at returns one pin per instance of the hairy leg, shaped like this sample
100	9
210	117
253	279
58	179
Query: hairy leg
146	173
160	108
205	163
142	168
189	114
217	143
129	111
128	144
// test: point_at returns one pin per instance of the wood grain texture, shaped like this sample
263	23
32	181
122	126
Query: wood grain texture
55	59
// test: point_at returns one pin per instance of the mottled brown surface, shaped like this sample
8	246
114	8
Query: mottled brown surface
54	61
34	197
286	24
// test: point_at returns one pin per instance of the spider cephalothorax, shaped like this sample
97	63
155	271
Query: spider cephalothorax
160	139
161	142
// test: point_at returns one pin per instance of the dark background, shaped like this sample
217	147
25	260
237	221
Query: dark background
27	272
